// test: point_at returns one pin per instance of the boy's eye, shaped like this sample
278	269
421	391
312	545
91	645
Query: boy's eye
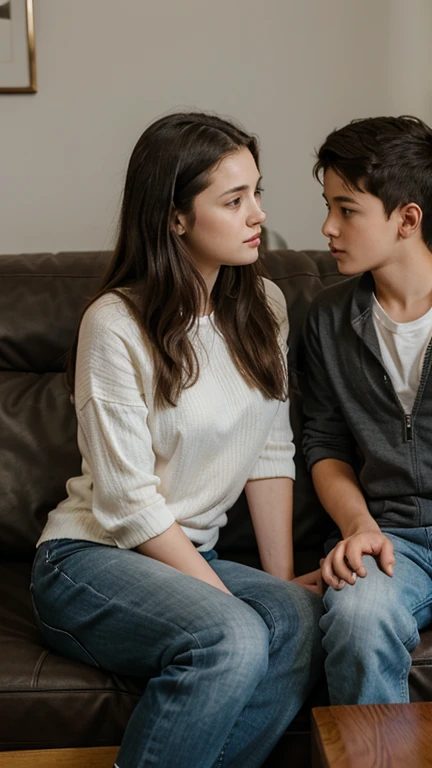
347	211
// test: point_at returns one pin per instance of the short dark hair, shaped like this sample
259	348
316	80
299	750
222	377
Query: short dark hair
390	157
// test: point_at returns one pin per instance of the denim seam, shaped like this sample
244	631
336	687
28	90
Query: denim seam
427	601
109	599
403	684
62	573
221	758
150	742
414	635
412	639
249	600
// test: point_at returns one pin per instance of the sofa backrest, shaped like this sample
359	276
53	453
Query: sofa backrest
41	299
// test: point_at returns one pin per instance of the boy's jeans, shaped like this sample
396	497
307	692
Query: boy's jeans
371	627
227	673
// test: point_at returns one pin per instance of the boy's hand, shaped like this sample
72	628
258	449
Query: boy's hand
344	563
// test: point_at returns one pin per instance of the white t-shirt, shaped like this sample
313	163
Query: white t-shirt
142	467
403	347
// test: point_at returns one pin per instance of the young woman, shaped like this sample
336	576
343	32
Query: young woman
180	390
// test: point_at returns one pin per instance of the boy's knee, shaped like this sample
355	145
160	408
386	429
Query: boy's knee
363	612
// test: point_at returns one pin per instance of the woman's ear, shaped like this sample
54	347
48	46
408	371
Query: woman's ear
178	223
410	219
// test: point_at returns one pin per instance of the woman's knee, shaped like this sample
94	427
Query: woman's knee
291	614
238	639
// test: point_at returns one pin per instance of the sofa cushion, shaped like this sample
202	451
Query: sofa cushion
42	297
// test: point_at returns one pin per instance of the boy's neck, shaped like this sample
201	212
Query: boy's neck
404	288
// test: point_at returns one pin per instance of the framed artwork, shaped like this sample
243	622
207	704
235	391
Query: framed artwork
17	47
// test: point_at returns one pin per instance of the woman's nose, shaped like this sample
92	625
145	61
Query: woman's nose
256	215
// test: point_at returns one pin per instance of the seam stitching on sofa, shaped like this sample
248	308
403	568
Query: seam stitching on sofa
37	669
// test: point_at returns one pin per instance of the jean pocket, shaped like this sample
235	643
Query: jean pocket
64	642
58	550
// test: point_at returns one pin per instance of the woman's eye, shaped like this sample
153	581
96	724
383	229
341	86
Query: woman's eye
259	191
234	203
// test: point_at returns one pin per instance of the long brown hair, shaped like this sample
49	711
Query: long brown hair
170	165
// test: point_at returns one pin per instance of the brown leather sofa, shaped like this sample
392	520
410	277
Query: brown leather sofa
47	701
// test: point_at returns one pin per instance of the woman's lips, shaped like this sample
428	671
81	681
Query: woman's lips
253	240
253	243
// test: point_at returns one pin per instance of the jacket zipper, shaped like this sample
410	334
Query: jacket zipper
407	417
408	427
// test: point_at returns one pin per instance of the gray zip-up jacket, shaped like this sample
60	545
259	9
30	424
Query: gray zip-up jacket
352	412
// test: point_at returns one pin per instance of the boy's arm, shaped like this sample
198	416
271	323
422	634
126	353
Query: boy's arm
338	490
329	450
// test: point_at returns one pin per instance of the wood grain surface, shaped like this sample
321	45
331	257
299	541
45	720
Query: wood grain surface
373	736
90	757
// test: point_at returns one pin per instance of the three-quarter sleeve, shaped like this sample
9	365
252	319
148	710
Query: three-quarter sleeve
115	439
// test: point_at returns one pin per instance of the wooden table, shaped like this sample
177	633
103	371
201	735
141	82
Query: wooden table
372	736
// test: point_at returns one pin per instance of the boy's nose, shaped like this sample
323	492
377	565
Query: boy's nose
330	228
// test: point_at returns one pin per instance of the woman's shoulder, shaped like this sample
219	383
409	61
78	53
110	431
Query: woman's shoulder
275	298
108	312
108	324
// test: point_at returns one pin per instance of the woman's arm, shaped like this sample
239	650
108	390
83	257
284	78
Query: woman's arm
270	506
270	498
174	548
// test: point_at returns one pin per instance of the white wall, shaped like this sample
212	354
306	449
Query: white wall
289	70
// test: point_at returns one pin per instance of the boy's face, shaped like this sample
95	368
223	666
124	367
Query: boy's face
361	237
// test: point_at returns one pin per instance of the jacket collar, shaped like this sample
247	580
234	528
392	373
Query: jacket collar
361	312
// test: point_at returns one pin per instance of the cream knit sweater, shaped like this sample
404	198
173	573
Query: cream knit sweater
144	468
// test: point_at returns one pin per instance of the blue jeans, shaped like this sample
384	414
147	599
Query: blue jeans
227	673
371	627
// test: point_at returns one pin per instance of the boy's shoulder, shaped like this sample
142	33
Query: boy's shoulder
336	297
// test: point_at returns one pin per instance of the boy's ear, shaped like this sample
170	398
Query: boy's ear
410	221
178	223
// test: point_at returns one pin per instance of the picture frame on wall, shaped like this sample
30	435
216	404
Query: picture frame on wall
17	47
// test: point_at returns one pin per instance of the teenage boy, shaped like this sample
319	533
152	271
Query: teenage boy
368	404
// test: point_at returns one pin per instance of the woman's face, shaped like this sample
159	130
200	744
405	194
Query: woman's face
227	216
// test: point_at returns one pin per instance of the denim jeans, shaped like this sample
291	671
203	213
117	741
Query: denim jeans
371	627
227	673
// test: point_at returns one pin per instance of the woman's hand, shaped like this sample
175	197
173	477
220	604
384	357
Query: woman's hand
311	581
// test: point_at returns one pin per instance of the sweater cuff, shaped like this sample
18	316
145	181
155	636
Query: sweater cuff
267	467
136	529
